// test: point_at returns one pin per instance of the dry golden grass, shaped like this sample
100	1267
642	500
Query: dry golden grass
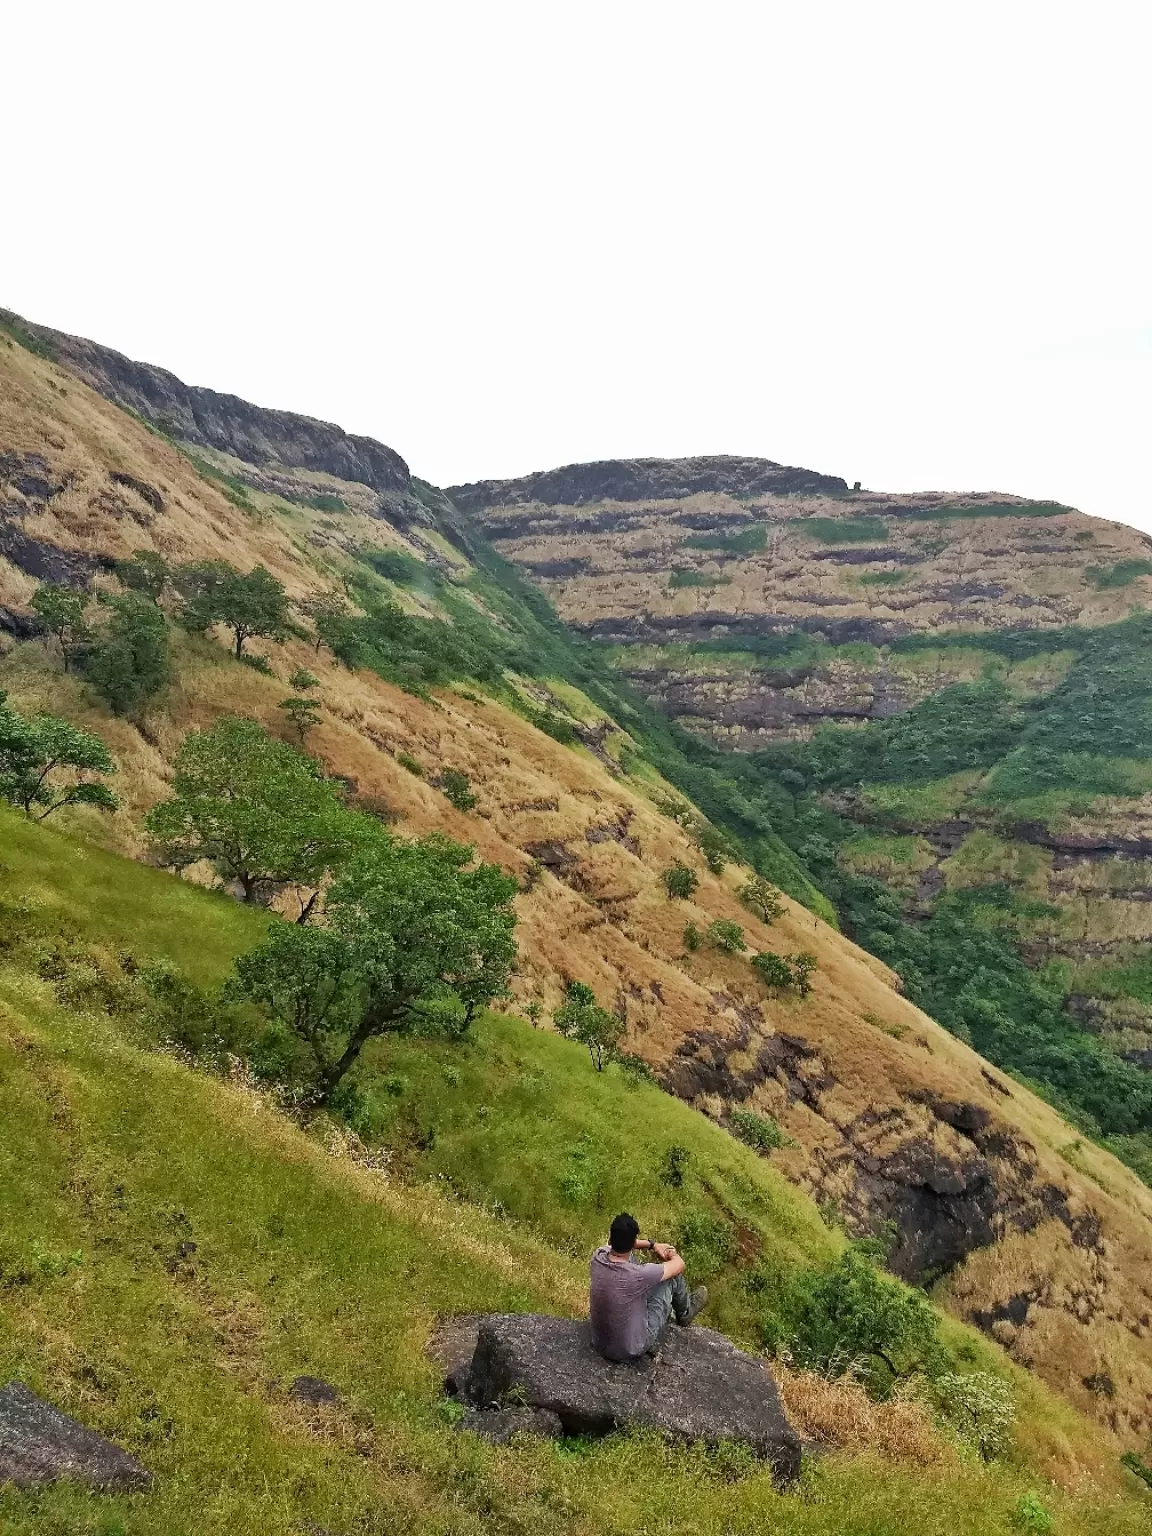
839	1415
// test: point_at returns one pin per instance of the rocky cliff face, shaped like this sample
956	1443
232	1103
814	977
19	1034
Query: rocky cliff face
206	419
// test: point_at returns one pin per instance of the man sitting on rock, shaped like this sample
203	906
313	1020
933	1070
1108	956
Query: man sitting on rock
631	1302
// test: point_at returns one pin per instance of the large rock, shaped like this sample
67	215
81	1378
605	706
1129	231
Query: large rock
38	1444
699	1386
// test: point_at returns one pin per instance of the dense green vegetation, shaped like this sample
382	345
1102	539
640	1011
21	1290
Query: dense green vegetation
1121	574
961	959
842	530
736	541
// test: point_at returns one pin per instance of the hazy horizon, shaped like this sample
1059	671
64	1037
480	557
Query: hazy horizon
902	246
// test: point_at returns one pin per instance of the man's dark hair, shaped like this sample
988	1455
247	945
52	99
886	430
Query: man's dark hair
623	1233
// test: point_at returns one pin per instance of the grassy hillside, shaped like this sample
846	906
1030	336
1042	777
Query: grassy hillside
173	1251
445	661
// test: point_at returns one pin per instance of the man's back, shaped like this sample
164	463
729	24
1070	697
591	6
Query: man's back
618	1301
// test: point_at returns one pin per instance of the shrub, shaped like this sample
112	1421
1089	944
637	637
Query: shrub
784	975
759	1131
979	1408
258	663
849	1319
1137	1465
762	899
397	565
773	969
726	936
1031	1516
303	681
707	1243
674	1166
413	765
634	1069
692	937
456	787
680	881
581	1018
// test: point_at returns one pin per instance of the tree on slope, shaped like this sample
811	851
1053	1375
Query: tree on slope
47	763
128	662
248	605
581	1018
258	810
415	939
61	611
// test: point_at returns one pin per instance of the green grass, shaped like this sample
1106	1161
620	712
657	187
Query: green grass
115	1160
847	530
77	886
1122	574
883	578
742	541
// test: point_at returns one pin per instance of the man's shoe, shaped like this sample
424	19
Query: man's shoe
696	1303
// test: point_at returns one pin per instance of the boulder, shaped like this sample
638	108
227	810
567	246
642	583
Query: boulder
698	1387
38	1444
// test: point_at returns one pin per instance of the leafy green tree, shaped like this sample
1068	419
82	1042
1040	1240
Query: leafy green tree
146	572
726	936
303	713
416	939
47	763
680	881
256	809
581	1018
849	1319
762	898
303	681
61	611
803	965
248	605
128	660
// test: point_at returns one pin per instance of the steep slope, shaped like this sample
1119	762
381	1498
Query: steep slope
1031	1235
991	658
176	1252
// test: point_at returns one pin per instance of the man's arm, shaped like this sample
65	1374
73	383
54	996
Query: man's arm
673	1264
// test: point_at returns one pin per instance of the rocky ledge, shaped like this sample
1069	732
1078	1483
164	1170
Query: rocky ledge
577	485
541	1375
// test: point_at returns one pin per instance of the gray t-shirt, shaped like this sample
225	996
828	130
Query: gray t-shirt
618	1305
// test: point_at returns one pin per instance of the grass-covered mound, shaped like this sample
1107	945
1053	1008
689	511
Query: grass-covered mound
174	1251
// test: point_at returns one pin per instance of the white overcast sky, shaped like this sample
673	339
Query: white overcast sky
905	243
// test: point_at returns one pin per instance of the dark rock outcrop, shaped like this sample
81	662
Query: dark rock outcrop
576	485
38	1445
698	1387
